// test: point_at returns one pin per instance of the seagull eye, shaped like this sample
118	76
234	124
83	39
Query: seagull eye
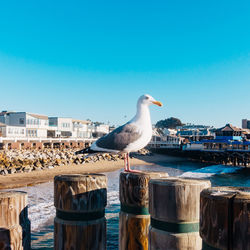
147	97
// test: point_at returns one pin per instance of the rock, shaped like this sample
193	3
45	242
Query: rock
11	170
27	169
4	172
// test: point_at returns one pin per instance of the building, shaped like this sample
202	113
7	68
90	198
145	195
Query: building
227	138
195	132
169	131
81	129
12	131
229	132
165	141
246	123
101	130
60	127
28	125
23	124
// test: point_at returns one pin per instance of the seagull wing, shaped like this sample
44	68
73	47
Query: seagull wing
120	138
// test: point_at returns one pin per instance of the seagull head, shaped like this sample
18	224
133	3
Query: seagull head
148	100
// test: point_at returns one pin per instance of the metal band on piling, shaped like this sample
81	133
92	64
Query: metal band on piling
134	210
80	216
175	227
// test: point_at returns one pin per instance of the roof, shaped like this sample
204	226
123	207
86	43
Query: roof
6	112
44	117
81	121
229	127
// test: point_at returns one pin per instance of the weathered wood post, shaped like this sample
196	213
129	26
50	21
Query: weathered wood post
174	206
14	222
225	218
80	202
134	216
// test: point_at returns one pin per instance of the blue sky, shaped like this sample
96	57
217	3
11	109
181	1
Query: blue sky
93	59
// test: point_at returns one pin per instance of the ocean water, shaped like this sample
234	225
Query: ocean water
42	211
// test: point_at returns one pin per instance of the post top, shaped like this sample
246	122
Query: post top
175	181
227	192
77	177
9	194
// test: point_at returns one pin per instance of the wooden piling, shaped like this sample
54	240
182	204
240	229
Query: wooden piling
80	201
134	216
174	206
225	218
14	222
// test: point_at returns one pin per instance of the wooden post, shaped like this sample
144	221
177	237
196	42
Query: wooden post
174	206
225	218
14	222
134	216
80	202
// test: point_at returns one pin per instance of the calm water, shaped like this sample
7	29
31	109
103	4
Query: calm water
42	212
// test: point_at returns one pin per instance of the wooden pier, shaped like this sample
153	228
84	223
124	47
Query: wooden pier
225	157
181	210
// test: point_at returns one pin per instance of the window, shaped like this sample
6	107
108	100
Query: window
21	121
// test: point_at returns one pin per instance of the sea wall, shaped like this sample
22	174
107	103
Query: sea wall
26	160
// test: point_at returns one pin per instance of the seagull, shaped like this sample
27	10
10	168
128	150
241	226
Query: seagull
130	137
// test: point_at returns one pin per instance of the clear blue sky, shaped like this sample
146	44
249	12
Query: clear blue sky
93	59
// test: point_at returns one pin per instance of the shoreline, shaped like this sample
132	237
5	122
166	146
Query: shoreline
37	177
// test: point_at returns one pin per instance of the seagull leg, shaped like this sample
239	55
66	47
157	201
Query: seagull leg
125	162
128	166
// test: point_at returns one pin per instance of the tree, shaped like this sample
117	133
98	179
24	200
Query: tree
171	122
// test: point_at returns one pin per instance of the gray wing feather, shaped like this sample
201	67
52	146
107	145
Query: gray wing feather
119	138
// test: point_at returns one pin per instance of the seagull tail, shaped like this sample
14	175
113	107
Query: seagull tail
85	151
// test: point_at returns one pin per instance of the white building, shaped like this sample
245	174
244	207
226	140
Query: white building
23	124
169	131
102	129
60	127
80	129
167	141
12	131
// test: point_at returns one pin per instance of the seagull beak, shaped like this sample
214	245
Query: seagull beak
157	103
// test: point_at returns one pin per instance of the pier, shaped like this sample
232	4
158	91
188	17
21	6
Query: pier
157	212
225	157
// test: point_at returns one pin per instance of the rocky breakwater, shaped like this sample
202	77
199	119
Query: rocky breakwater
24	161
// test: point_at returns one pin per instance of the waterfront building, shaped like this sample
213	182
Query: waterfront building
245	124
23	124
227	138
101	130
80	129
60	127
196	132
12	131
169	131
165	141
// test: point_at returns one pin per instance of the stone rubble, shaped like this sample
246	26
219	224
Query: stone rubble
24	161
